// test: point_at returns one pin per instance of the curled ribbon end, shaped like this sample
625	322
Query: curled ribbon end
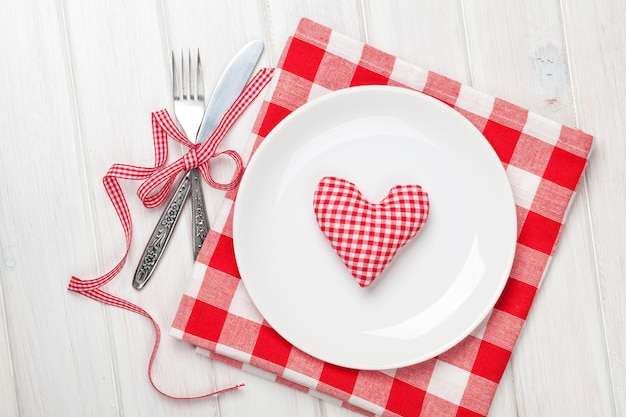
222	391
231	388
74	284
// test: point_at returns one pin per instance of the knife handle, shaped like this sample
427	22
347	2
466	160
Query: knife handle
161	234
198	212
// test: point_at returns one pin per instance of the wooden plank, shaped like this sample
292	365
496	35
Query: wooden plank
45	227
596	34
519	55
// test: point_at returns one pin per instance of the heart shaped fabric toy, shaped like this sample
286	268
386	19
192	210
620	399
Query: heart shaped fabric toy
367	236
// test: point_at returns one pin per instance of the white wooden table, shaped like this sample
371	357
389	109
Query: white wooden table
78	80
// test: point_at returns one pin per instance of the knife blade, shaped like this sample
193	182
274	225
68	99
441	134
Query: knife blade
227	89
222	98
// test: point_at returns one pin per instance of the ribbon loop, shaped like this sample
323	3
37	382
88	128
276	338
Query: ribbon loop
205	170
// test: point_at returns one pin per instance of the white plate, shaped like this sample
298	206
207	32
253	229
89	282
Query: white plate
440	286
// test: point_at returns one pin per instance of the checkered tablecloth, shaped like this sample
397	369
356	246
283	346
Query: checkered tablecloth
544	161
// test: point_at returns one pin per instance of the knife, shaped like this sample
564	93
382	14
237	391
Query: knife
228	88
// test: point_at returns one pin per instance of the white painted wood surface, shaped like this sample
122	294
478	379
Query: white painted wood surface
78	81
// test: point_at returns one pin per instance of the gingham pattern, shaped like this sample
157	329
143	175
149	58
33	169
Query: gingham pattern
198	156
544	161
367	236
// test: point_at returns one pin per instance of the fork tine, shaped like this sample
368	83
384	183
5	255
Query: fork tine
190	76
186	60
199	79
175	76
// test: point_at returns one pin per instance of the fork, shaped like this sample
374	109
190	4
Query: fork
188	93
189	108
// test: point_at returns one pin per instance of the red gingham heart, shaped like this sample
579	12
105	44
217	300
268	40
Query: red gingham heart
367	236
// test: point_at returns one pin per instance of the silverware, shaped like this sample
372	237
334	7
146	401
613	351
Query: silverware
228	88
188	93
190	112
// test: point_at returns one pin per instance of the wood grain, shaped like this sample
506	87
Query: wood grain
595	47
78	82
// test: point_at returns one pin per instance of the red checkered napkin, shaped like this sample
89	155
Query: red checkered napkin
544	161
367	236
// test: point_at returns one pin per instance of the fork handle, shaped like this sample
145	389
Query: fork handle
161	234
198	212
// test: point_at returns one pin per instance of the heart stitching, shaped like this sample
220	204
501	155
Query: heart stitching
367	236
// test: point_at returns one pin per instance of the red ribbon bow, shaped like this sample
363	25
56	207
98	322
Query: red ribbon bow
158	182
199	155
153	191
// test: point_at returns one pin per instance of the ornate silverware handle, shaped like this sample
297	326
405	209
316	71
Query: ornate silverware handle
161	234
198	211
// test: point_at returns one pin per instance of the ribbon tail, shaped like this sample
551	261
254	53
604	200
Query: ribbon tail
105	298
